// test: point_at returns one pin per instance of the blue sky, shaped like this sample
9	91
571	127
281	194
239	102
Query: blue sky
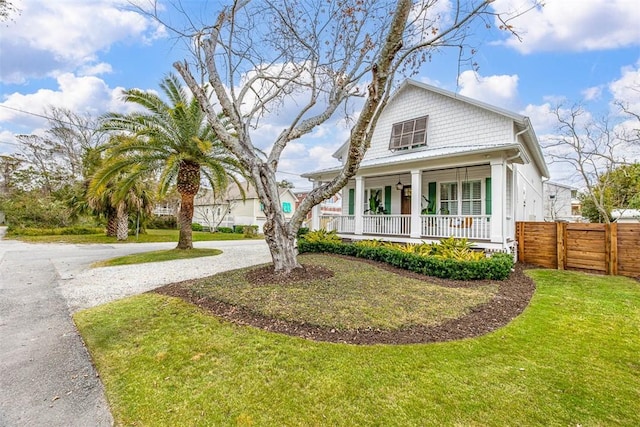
80	54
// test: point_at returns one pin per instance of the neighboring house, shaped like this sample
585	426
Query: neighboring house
166	208
561	202
229	209
626	215
328	208
441	164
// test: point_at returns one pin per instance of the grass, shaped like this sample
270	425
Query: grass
358	296
151	236
157	256
570	359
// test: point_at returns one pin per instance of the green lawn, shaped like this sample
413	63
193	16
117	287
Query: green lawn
158	256
572	358
151	236
358	296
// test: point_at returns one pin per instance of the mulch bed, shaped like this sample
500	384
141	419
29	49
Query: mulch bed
512	298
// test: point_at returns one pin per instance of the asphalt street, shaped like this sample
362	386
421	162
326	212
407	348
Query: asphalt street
46	375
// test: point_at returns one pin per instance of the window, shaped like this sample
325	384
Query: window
471	198
409	134
286	207
449	198
374	201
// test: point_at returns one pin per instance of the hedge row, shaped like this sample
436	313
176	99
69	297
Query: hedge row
496	267
59	231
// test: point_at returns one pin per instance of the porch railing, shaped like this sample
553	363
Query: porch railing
476	227
395	225
341	224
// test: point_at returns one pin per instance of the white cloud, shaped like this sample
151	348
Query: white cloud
59	36
541	117
499	90
96	69
82	95
627	88
592	93
573	25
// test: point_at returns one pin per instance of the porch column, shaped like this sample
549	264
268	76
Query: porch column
357	211
416	203
498	197
315	211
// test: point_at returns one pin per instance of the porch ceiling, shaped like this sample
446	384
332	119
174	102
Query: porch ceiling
436	153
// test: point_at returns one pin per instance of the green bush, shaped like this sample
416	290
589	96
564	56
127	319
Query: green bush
60	231
196	227
240	228
495	267
321	235
302	231
34	210
224	230
163	223
250	231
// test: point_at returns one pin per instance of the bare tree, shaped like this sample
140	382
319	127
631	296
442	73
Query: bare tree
591	147
8	166
221	203
7	8
258	54
61	155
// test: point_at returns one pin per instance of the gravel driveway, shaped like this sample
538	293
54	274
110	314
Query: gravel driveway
90	287
46	376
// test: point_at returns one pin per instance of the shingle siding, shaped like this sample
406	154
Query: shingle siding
451	122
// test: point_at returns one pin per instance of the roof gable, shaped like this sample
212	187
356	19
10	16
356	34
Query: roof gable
454	121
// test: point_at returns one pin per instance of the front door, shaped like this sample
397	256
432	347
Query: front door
405	200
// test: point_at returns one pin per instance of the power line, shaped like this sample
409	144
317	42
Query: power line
26	112
50	118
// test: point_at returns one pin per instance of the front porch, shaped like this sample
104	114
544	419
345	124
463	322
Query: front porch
472	201
432	227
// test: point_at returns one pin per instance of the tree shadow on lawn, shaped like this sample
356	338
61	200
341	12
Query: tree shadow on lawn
512	298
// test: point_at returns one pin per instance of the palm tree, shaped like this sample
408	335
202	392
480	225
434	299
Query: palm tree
173	140
117	199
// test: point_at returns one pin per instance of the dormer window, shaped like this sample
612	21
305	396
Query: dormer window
409	134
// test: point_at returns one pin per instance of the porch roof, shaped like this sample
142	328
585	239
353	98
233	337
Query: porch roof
425	154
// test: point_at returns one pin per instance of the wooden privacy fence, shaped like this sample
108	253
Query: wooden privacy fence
599	248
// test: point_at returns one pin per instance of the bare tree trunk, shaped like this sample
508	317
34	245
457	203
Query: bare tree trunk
279	235
123	226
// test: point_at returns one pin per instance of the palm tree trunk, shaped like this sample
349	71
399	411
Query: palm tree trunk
123	226
112	225
185	217
188	184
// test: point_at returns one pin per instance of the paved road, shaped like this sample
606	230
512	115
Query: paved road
46	377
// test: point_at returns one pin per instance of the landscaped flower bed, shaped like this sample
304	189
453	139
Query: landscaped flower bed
450	259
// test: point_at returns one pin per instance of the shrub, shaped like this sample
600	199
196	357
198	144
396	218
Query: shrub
196	227
61	231
32	209
163	223
224	230
240	228
302	231
321	236
452	266
250	231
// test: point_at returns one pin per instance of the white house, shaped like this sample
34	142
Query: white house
561	202
328	208
626	216
441	164
229	209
